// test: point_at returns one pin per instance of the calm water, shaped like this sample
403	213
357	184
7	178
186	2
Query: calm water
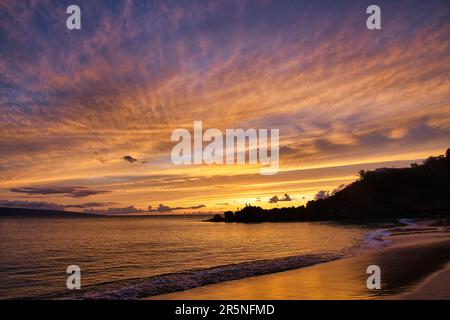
126	257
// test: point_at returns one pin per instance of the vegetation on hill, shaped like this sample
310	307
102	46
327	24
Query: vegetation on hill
23	212
421	190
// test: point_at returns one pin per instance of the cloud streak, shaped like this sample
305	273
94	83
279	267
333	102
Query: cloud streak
74	192
43	205
164	208
276	199
130	159
116	211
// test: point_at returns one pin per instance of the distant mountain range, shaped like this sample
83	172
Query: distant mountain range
419	191
21	212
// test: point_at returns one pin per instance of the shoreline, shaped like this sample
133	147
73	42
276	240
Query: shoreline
403	273
435	286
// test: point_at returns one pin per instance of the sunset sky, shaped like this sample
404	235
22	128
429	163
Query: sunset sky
86	115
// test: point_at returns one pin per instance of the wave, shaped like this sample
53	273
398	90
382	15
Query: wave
376	239
138	288
408	222
167	283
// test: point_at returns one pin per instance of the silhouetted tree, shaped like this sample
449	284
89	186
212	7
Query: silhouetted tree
362	174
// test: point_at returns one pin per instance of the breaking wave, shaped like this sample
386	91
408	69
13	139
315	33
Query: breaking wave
138	288
167	283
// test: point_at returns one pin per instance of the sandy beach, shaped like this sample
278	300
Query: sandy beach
416	265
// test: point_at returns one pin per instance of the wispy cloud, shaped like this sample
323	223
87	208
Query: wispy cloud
321	195
43	205
276	199
163	208
74	192
130	159
88	205
116	211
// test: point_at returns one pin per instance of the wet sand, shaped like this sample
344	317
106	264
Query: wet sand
436	286
415	266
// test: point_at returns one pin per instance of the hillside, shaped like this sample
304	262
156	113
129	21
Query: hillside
421	190
22	212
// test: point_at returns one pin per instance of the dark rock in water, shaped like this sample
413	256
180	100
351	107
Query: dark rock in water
229	215
217	218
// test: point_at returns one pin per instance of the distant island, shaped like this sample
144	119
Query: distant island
24	212
419	191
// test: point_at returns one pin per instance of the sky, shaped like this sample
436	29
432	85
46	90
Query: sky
87	115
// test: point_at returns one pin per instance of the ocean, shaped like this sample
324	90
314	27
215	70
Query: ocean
134	257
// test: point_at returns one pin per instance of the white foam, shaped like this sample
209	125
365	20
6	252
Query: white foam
155	285
377	239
